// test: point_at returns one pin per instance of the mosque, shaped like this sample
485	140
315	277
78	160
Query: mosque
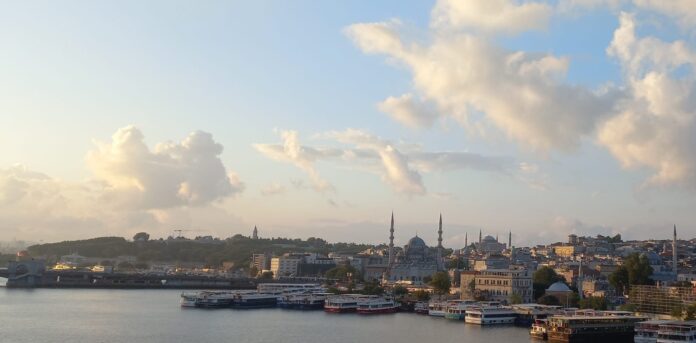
416	262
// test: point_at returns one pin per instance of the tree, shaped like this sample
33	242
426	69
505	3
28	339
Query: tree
615	239
515	299
635	270
253	271
421	295
342	273
548	300
595	303
141	237
399	291
690	312
543	278
372	288
677	312
441	282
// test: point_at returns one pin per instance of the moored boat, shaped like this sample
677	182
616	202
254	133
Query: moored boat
646	332
421	307
302	301
456	310
490	315
254	300
601	328
377	305
677	332
437	308
188	299
539	329
341	303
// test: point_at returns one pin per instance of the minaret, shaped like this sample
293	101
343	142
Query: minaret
496	238
439	244
480	240
255	234
466	239
580	278
391	241
439	234
675	266
510	240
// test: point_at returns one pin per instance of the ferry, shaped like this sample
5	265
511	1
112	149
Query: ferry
675	332
437	308
254	300
490	315
303	301
602	328
539	329
646	332
214	299
528	314
421	307
456	310
287	288
341	303
188	299
377	305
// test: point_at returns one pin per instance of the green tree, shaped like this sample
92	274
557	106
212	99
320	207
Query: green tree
343	273
421	295
548	300
595	303
515	299
399	291
635	270
615	239
690	312
253	271
677	312
372	288
141	236
543	278
441	282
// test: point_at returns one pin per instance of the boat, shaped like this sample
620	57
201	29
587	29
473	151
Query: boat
437	308
490	315
421	307
646	332
302	301
377	305
188	299
249	300
528	314
539	329
675	332
341	303
456	310
598	328
214	299
287	288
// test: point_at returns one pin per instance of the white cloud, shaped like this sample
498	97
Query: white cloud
174	174
273	189
491	15
655	127
409	111
301	156
683	10
520	93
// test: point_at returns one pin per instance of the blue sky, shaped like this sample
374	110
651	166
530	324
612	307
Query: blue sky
74	74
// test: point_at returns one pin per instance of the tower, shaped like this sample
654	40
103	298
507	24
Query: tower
439	245
480	237
510	240
466	239
675	265
391	241
580	278
255	234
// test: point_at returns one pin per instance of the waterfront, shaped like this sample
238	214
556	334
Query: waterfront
99	315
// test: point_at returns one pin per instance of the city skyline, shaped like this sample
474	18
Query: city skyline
317	119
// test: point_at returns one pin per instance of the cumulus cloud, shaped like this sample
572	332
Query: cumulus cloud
132	189
683	10
520	93
400	166
491	15
302	157
409	111
655	127
186	173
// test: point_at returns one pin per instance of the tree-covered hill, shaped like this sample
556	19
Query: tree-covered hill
237	249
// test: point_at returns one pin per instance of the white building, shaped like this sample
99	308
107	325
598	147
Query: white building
285	266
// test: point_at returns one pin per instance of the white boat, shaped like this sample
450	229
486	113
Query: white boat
539	329
677	332
646	332
303	301
377	305
437	308
188	299
342	303
287	288
490	315
456	309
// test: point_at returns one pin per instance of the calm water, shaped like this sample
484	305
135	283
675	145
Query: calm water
56	315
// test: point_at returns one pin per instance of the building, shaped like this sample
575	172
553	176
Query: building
416	262
261	261
489	245
255	233
497	285
285	266
491	261
560	291
566	251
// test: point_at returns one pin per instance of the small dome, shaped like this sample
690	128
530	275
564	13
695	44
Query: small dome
558	287
416	242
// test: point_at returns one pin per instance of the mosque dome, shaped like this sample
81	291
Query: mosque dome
489	239
416	242
558	287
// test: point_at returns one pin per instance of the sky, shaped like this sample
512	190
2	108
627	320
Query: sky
321	118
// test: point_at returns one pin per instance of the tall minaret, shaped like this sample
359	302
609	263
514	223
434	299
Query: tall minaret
466	239
480	240
439	244
675	266
510	240
580	278
439	234
391	241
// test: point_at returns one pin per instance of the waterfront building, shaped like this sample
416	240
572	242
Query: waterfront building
284	266
497	285
261	261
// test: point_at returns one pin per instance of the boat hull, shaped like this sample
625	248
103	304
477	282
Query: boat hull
455	316
340	310
378	311
609	337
